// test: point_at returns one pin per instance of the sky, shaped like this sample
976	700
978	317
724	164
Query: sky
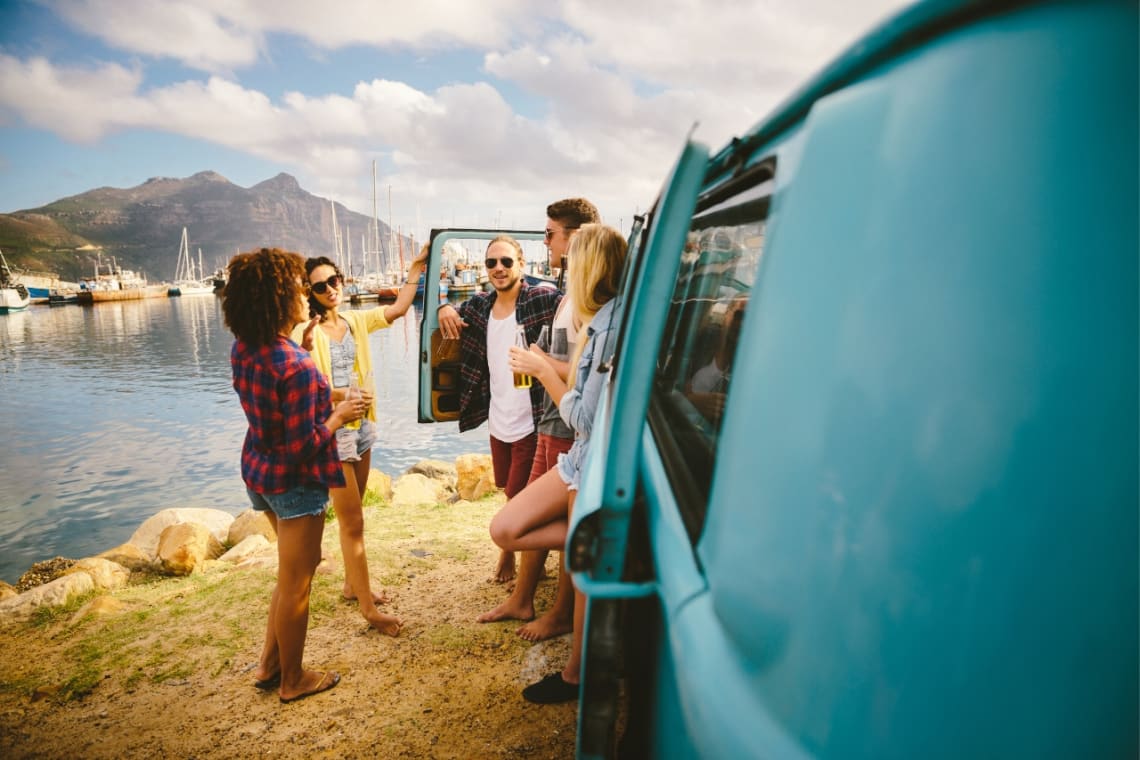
475	113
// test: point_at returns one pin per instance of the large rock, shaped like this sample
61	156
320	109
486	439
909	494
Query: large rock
106	574
184	547
129	556
53	594
380	483
44	571
253	545
147	535
415	488
250	523
475	476
434	469
7	590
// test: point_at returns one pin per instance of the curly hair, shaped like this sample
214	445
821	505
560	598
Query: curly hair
262	293
573	212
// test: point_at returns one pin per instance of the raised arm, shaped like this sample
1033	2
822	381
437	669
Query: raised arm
407	294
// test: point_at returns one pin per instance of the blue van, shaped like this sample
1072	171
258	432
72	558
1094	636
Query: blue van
864	481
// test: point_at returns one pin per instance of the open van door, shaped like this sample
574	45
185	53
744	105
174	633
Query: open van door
439	358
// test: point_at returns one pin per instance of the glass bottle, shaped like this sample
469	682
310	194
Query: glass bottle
521	380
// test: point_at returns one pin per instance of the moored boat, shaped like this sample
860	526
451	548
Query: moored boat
118	285
14	296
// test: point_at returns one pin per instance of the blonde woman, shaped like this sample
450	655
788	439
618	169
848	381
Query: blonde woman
339	345
538	517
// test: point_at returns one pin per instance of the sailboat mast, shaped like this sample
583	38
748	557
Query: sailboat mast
376	246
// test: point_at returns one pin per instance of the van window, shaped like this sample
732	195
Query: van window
694	366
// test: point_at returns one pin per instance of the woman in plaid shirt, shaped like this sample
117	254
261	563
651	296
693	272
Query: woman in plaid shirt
287	460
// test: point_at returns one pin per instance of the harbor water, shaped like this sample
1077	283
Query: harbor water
115	411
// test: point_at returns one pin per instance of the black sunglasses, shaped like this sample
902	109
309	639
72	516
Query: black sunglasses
506	261
320	287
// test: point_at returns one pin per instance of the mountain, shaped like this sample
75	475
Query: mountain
140	227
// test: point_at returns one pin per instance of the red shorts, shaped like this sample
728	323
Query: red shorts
512	462
546	454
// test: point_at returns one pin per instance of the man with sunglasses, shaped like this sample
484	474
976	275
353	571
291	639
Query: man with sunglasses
563	218
485	325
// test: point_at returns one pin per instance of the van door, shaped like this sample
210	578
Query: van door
458	256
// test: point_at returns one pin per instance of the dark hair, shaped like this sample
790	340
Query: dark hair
261	294
316	308
573	212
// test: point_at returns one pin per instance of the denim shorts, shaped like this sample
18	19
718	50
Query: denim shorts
302	501
351	444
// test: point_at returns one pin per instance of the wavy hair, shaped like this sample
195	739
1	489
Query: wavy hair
261	294
597	253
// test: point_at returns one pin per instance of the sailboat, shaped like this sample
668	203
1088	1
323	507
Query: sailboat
186	282
13	295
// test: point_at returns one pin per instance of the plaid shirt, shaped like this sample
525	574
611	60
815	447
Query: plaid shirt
534	308
286	401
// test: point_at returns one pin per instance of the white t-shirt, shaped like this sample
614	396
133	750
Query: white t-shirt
509	418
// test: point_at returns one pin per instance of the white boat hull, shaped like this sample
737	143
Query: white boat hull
12	300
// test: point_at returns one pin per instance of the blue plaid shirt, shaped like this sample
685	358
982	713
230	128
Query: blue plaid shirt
534	308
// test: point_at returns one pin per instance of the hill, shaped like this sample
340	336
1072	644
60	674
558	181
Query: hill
140	227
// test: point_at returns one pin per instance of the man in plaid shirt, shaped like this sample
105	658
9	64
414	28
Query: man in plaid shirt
485	325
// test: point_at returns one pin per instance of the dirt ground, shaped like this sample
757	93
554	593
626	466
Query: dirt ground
163	669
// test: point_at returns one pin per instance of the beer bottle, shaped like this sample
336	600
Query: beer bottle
521	380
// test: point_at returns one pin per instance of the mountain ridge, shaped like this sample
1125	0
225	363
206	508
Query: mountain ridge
140	227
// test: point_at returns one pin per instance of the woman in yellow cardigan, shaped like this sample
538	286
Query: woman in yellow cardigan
340	350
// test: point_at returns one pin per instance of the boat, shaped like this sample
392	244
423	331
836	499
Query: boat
116	285
14	296
186	281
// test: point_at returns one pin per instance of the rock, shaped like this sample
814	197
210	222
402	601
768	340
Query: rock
434	469
147	535
127	555
51	594
106	574
99	606
250	523
380	483
415	489
7	590
250	546
475	476
43	572
183	547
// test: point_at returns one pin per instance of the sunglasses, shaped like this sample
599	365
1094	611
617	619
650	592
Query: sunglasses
549	234
320	287
506	261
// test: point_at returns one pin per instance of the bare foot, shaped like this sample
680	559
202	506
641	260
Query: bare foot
386	624
378	597
508	610
505	570
546	627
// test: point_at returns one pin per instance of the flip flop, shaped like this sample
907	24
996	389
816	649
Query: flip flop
551	690
328	680
268	684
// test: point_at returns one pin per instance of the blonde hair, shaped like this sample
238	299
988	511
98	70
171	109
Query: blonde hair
597	257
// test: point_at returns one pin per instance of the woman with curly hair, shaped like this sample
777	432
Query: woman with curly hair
288	462
338	342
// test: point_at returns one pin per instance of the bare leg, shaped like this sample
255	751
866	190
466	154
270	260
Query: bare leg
270	662
350	518
360	470
298	552
520	604
535	518
559	619
505	567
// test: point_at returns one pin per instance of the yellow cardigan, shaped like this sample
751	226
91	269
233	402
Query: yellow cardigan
360	323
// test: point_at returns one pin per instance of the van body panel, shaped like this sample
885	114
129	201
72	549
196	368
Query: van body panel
920	538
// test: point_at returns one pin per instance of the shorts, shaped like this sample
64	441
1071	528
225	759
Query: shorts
351	444
546	454
302	501
511	462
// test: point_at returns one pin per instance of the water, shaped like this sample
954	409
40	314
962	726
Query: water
118	410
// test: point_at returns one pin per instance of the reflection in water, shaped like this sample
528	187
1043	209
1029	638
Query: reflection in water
118	410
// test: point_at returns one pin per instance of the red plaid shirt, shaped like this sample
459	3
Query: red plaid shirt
286	401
